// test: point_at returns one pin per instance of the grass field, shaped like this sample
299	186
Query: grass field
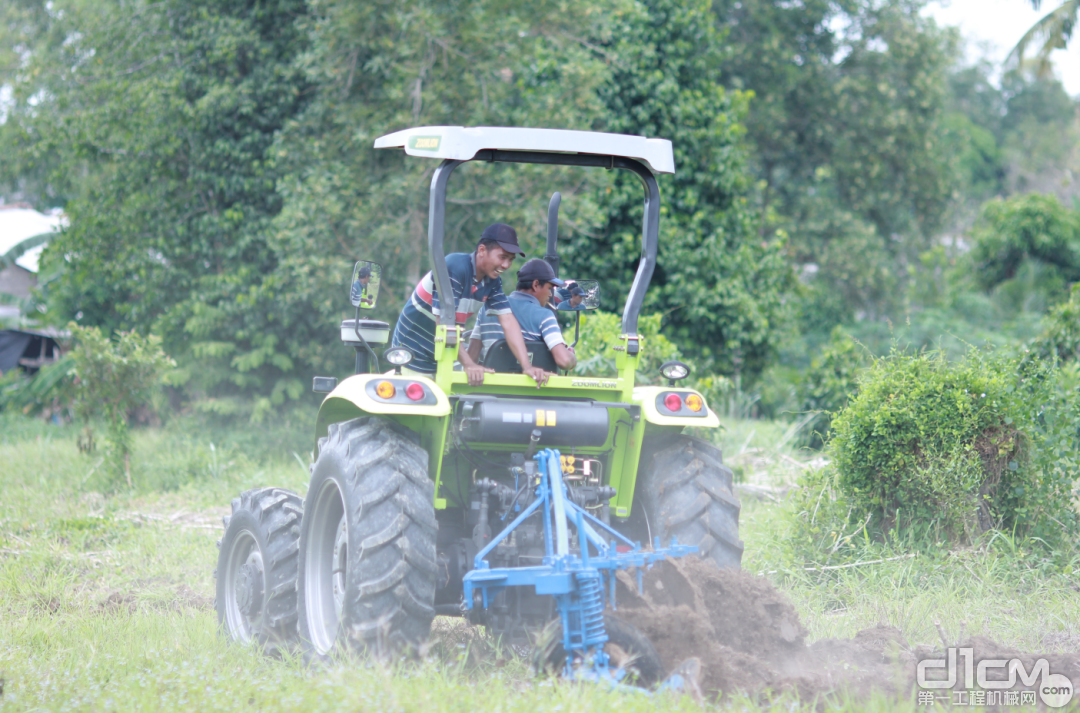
106	593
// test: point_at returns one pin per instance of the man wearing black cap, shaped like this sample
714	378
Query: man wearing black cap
358	294
570	298
529	303
476	281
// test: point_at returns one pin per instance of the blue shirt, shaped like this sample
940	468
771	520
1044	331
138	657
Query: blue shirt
359	292
415	327
538	323
561	300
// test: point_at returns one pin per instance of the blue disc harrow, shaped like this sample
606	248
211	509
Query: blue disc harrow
579	580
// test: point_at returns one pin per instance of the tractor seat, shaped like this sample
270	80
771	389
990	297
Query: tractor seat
501	359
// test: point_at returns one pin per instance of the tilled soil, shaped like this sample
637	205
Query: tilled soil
748	638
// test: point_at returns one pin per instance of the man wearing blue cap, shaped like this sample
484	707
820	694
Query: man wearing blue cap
529	303
476	281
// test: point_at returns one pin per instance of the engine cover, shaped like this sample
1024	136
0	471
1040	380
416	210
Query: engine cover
561	423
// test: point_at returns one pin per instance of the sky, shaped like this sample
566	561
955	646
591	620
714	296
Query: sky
992	28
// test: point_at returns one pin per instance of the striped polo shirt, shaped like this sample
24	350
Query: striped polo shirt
538	323
415	327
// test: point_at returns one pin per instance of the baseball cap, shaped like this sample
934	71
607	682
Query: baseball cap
575	290
504	235
537	269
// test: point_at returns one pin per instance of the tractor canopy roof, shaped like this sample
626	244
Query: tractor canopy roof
463	143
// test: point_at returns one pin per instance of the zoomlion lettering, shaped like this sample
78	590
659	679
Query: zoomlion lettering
1055	689
426	143
595	384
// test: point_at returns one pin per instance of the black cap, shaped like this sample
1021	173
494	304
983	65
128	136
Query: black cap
504	235
363	272
537	269
576	291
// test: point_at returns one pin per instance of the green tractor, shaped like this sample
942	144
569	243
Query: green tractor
416	481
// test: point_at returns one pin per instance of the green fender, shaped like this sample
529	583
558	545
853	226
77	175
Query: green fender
351	399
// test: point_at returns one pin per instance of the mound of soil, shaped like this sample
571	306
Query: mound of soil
748	638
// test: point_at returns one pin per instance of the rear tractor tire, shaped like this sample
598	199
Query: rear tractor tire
688	493
257	569
367	543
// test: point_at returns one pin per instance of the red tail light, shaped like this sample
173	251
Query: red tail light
672	402
414	391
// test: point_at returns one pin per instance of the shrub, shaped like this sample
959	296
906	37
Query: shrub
113	378
1033	227
951	449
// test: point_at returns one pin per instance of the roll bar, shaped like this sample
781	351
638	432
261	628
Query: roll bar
552	255
650	228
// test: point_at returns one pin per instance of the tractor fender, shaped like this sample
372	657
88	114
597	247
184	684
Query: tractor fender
646	397
355	397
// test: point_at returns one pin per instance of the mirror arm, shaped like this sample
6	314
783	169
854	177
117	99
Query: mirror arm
371	353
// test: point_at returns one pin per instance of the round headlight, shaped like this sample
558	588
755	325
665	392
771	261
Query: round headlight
398	356
674	370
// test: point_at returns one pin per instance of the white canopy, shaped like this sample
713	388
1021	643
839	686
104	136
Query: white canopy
462	143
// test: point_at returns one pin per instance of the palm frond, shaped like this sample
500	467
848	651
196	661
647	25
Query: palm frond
1050	33
8	259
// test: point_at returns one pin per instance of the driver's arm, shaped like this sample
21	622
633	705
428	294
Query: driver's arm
475	347
516	342
564	357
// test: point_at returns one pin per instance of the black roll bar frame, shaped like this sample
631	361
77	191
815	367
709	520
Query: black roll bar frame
650	229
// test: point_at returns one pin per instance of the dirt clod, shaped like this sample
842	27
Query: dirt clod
117	602
748	639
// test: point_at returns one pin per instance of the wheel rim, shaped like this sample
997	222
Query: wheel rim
244	582
324	574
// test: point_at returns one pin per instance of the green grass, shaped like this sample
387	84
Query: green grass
105	593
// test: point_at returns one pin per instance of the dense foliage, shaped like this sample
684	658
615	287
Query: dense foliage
215	160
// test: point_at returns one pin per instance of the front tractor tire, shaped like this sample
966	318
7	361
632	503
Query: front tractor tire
367	543
257	569
688	493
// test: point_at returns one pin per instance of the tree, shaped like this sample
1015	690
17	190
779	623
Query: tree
847	142
613	66
225	179
169	110
1051	33
721	285
376	69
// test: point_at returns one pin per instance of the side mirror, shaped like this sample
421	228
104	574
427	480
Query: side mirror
579	295
364	291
